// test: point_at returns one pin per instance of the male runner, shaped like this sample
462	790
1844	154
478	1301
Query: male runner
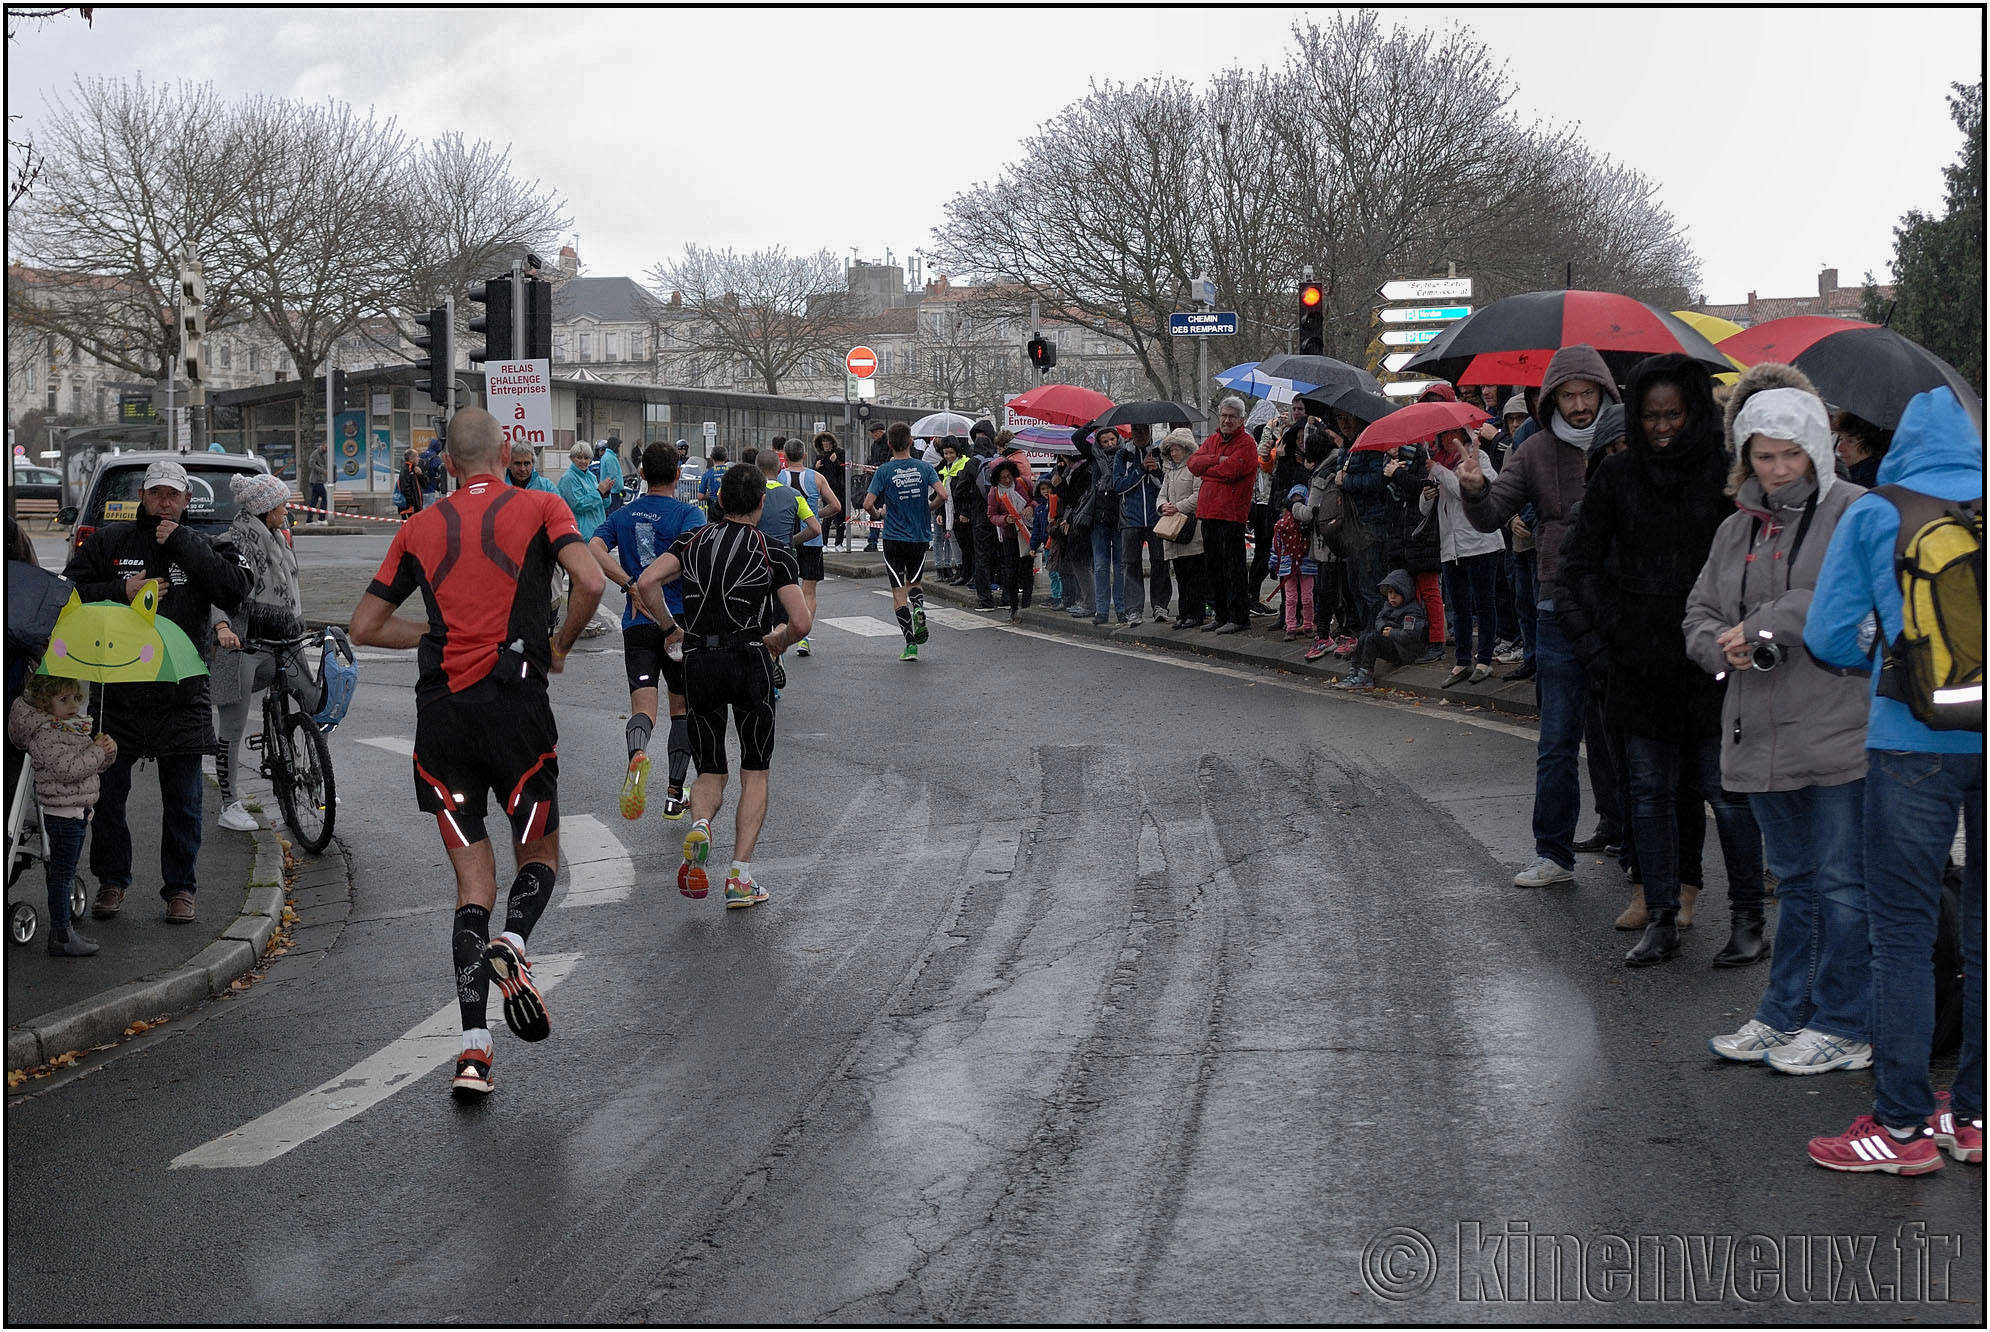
815	488
483	559
786	520
624	545
907	491
729	571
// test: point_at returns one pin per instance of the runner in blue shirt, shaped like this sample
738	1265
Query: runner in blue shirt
708	484
907	491
625	544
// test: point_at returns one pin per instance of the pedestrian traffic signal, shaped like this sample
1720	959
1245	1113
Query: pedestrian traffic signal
1312	324
495	322
434	371
538	320
1042	354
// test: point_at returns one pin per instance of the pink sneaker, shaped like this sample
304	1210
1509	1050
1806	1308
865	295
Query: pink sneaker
1960	1138
1867	1147
1321	647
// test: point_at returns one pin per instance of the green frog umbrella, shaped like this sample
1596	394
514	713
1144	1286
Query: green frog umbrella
109	642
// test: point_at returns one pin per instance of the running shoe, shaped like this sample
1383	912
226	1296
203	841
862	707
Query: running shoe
524	1010
919	630
911	652
473	1074
673	802
801	648
691	879
1866	1147
780	677
1814	1051
1752	1044
1961	1138
743	892
1321	647
632	786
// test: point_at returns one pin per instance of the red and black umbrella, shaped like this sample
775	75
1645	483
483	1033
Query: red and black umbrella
1860	368
1511	341
1061	404
1418	423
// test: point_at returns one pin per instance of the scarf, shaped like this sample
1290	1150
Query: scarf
1584	439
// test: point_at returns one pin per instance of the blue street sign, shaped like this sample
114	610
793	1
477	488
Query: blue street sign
1203	324
1420	314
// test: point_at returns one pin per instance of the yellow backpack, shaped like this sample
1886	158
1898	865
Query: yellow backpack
1935	666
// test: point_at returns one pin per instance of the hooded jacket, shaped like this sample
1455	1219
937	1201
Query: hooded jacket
68	763
1548	473
1797	725
148	720
1647	523
1229	469
1410	622
1138	489
271	604
1937	451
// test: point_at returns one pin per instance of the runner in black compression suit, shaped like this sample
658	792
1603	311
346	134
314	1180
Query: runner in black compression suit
727	572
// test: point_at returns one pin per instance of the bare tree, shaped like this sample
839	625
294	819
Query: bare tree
768	309
24	163
956	361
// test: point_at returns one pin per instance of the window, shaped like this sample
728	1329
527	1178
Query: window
76	398
911	361
252	360
559	346
226	355
635	346
586	347
31	379
611	346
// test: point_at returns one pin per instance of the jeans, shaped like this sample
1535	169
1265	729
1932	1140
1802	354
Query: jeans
1132	541
1327	603
320	500
1108	572
1077	568
1821	973
984	564
1474	585
1604	749
1523	597
180	790
1564	690
1658	769
64	841
1223	565
1913	799
1508	623
1190	602
1262	518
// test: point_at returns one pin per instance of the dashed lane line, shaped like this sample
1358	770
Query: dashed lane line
599	868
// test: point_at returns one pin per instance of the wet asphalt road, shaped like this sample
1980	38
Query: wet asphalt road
1093	987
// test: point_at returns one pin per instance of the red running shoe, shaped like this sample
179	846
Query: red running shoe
473	1073
1960	1138
1866	1147
524	1010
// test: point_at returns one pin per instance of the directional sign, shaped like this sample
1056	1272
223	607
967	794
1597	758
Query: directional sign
1426	289
1425	314
520	395
1203	324
1407	388
861	362
1410	337
1395	361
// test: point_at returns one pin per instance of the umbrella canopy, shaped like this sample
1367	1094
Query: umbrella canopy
1860	368
1247	377
1418	423
35	597
1359	403
1317	372
1061	404
941	424
1147	411
111	643
1049	438
1511	341
1714	329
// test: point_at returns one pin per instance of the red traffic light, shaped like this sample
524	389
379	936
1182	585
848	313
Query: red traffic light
1310	295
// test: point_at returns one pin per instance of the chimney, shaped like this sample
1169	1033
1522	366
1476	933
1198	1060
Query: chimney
1827	282
569	260
1751	307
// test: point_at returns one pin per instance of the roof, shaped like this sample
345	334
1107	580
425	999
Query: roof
612	300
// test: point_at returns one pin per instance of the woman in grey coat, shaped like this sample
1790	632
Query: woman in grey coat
1178	488
1793	734
274	606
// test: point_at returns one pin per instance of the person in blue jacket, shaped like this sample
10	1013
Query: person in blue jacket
1136	479
1918	781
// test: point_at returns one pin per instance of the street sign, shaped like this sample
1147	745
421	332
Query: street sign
1410	337
1203	324
1407	388
520	395
711	430
861	362
1425	314
850	386
1425	289
866	389
1395	361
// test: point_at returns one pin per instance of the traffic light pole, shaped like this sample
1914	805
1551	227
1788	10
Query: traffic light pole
519	346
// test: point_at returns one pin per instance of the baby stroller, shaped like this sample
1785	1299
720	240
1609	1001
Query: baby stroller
25	848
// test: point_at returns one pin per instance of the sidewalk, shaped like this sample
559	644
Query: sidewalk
146	967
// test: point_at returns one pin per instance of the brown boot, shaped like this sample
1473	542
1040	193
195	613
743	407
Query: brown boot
1689	893
1634	915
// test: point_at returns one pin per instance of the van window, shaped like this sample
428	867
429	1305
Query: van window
210	500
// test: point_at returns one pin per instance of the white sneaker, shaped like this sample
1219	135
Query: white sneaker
1752	1043
237	819
1813	1051
1542	873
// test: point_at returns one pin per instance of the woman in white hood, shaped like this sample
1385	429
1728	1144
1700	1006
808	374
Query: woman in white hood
1793	733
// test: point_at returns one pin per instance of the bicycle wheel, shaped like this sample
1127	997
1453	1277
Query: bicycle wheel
304	785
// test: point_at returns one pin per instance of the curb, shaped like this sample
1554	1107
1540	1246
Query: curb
103	1017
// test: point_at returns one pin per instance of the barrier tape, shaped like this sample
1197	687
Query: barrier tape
334	513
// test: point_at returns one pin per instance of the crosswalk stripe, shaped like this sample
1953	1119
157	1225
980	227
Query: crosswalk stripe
864	626
372	1080
393	744
960	619
599	869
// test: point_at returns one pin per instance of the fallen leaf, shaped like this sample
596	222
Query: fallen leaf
139	1026
242	984
16	1076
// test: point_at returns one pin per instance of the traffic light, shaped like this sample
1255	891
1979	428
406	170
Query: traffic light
495	322
435	370
1042	353
193	319
538	320
1312	324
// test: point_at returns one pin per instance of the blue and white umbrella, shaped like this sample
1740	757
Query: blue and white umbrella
1245	377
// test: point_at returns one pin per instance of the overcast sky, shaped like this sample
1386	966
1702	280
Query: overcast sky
1786	140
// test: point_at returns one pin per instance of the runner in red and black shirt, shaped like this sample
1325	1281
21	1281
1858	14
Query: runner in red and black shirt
483	561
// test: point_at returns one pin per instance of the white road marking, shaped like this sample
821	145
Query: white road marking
402	654
960	619
864	626
599	869
393	744
372	1080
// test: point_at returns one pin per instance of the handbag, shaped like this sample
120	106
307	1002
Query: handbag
1176	527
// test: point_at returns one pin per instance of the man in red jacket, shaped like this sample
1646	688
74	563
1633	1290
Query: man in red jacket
1227	462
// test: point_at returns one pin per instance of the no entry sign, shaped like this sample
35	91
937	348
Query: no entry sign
861	362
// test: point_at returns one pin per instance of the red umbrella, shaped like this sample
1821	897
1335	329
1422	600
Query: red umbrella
1511	341
1061	404
1418	423
1869	371
1784	339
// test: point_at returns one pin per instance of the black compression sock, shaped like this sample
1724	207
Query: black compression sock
917	595
530	892
680	750
638	733
473	981
904	614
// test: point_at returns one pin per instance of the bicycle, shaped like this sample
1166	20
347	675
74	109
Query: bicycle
296	761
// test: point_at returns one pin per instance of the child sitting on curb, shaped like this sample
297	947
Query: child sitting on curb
48	722
1399	635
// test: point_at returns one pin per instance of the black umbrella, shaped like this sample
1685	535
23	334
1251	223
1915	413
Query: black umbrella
1147	411
1512	341
1868	371
1321	372
34	598
1363	406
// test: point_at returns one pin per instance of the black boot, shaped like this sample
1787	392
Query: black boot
1745	943
1661	939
